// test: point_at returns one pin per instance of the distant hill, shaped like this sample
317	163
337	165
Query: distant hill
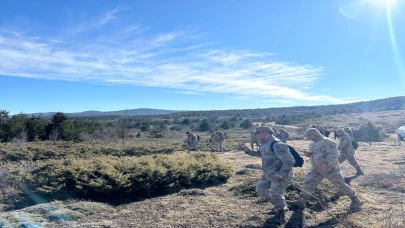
392	103
129	112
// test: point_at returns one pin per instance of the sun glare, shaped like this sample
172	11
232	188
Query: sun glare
388	3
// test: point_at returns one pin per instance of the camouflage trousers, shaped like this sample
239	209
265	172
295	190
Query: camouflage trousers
218	145
273	191
192	146
313	178
350	158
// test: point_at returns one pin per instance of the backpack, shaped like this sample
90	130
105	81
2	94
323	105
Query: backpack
355	145
222	135
299	161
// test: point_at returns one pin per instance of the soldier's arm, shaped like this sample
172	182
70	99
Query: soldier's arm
343	142
254	153
283	153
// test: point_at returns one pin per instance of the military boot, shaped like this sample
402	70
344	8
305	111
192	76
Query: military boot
359	172
280	216
335	197
356	203
298	203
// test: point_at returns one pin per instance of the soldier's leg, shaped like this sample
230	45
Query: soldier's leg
196	146
342	157
262	189
311	181
277	190
211	145
352	160
337	180
188	148
221	143
251	145
219	146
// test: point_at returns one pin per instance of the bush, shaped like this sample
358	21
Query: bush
370	133
175	128
60	150
226	125
246	124
156	132
109	177
205	125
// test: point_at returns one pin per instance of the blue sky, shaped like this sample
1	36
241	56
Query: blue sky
75	56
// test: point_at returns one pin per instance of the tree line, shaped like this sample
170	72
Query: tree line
37	128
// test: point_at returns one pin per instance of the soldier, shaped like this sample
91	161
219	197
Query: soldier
191	142
217	138
284	135
326	133
347	151
349	132
324	164
220	140
277	167
254	139
335	135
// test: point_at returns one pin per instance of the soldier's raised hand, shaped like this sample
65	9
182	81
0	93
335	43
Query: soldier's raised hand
245	148
308	154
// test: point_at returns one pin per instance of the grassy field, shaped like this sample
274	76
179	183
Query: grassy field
232	204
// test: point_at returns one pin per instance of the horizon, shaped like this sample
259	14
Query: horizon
202	110
201	55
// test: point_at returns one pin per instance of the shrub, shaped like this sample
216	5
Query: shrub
226	124
246	124
370	133
205	125
114	177
175	128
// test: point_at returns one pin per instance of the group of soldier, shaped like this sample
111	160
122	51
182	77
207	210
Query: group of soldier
217	139
325	157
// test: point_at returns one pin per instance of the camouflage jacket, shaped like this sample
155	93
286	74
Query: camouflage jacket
324	151
191	139
280	161
345	144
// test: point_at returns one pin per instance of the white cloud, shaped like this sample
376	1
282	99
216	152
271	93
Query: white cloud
110	15
177	60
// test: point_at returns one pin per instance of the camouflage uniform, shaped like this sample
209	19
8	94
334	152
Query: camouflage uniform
218	140
281	162
191	142
349	132
347	151
284	135
324	164
254	140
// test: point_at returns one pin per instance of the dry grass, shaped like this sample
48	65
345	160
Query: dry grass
235	204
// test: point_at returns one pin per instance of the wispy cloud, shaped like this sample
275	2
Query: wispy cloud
188	92
177	59
110	15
